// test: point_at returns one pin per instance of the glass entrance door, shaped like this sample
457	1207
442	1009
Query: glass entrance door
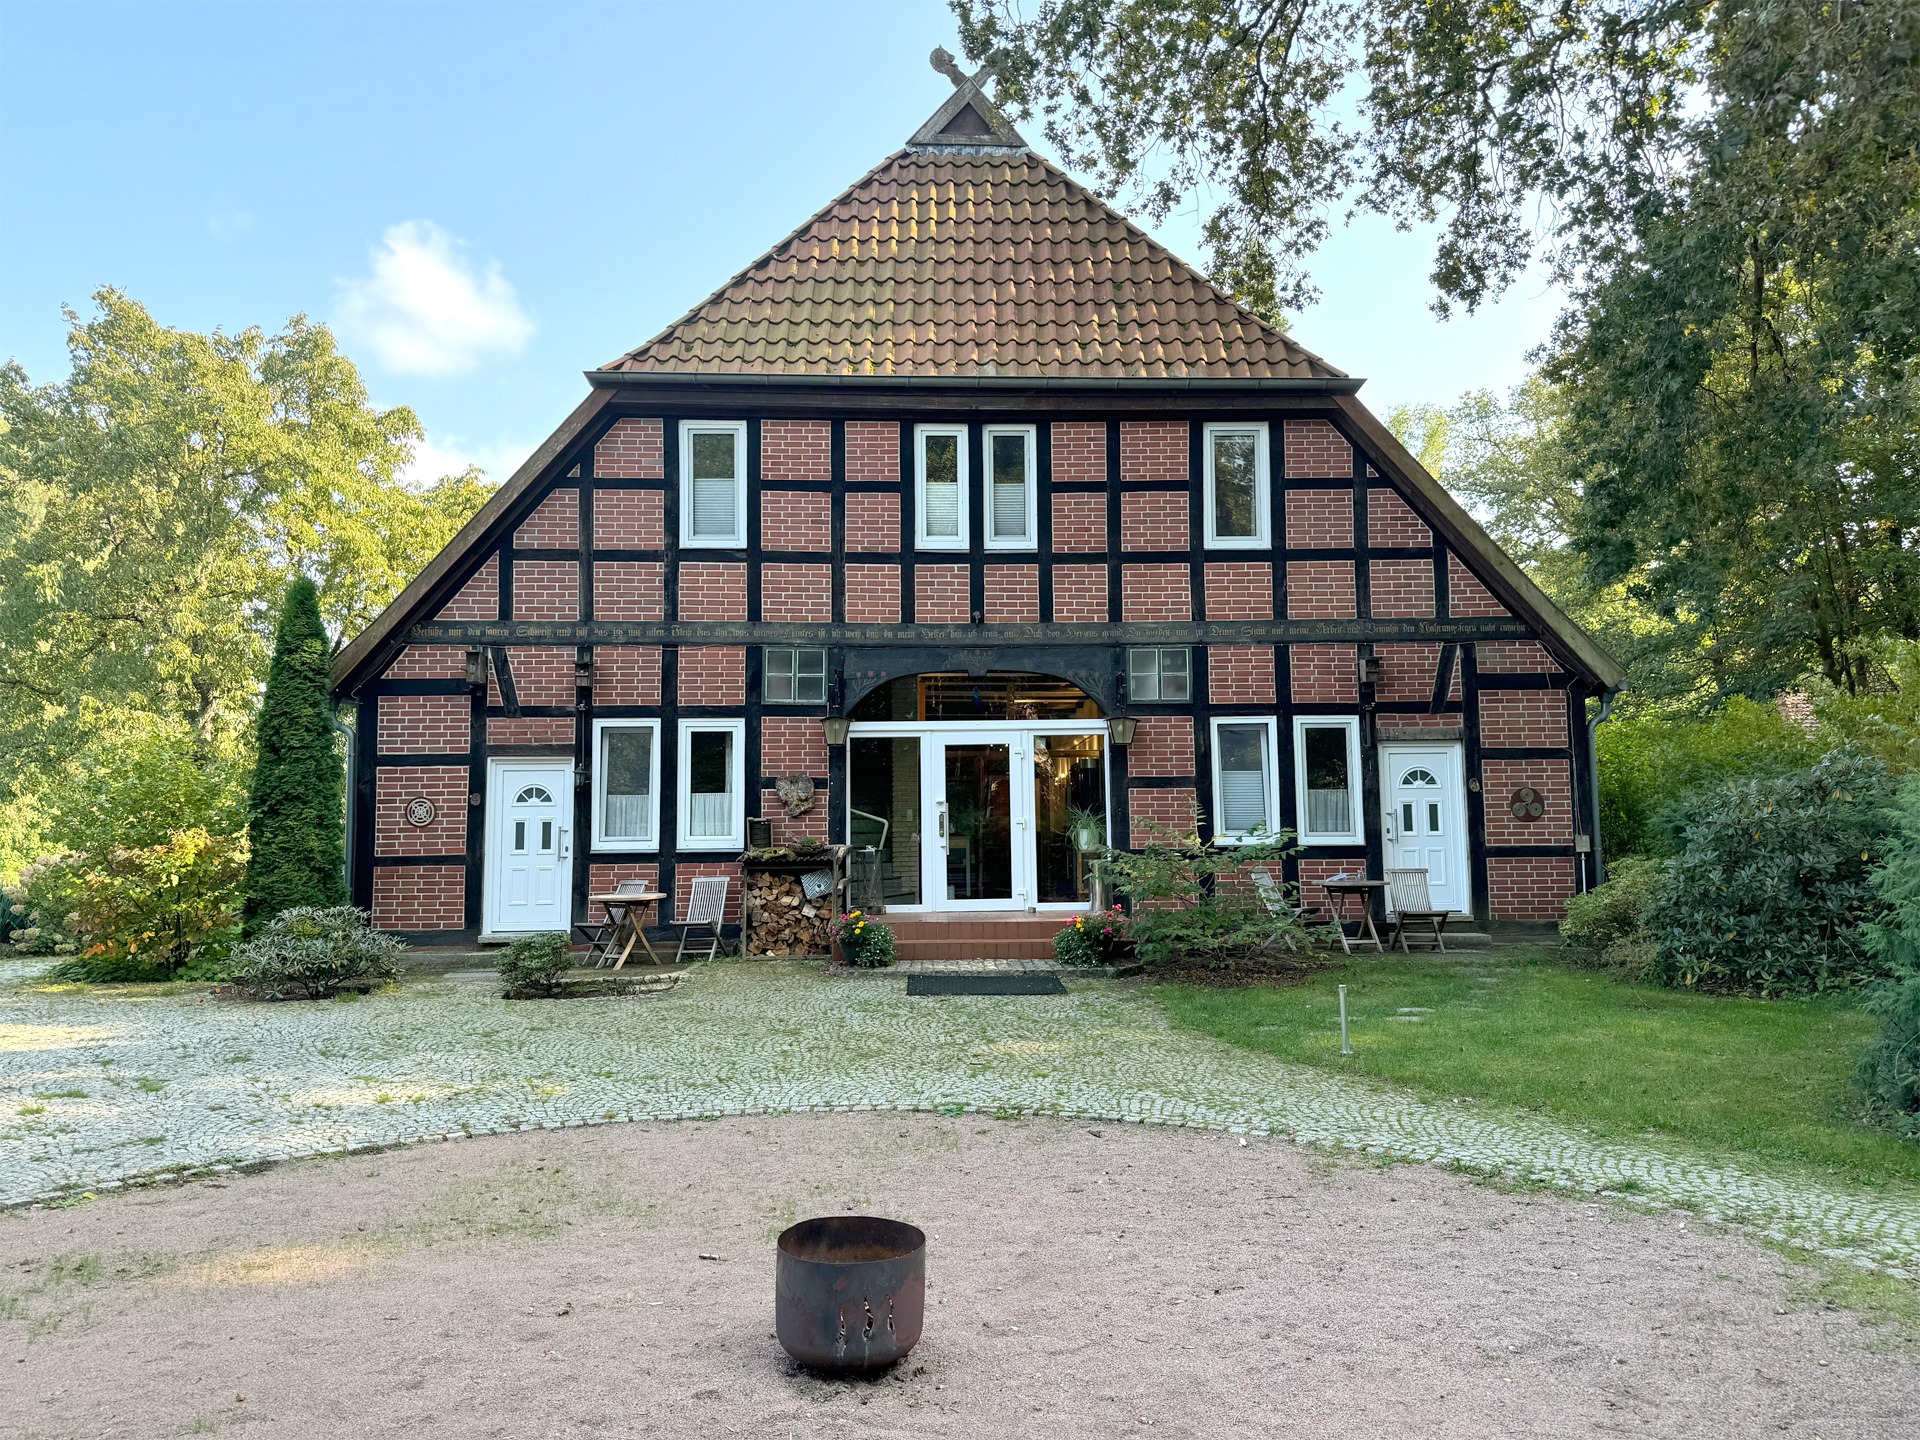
975	813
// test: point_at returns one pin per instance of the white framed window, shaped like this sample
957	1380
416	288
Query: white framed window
793	676
1159	675
713	484
1238	500
1246	795
713	793
626	784
940	487
1011	486
1326	778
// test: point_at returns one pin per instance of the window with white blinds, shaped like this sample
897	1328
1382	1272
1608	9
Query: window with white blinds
1237	502
712	798
940	487
626	785
1245	797
1010	487
713	483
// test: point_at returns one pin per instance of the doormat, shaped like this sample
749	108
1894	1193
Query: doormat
1038	982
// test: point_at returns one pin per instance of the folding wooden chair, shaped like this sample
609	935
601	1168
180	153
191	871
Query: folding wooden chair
1413	905
706	905
601	936
1278	906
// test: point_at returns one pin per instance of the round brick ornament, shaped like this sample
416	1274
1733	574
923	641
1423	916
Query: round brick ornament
420	811
1528	804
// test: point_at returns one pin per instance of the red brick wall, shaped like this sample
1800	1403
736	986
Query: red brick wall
1320	519
542	675
1079	522
629	590
1156	592
602	878
1080	451
1162	745
420	897
1515	719
1169	809
424	724
1314	448
1240	674
1401	588
940	595
396	787
796	592
479	598
1320	590
1239	590
713	675
796	450
793	745
713	591
685	873
530	730
1154	520
1011	594
1465	594
429	662
873	594
1390	523
1311	893
873	522
1325	675
808	825
546	590
626	675
1080	594
1407	672
629	520
1552	778
873	450
797	520
554	524
631	450
1514	657
1153	450
1529	887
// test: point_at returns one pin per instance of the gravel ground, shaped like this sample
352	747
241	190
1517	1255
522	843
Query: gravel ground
1085	1280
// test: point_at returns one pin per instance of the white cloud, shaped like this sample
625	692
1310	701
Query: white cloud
426	309
435	459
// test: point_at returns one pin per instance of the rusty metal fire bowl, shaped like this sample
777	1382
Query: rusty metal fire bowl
849	1291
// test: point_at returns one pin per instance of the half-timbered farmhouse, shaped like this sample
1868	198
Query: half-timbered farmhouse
974	507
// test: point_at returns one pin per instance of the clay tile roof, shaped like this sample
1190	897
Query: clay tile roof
971	262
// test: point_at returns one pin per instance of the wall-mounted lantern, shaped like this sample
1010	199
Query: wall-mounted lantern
1120	729
835	728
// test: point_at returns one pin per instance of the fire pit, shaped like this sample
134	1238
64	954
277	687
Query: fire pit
849	1291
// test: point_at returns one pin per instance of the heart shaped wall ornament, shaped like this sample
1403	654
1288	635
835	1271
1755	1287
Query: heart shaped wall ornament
795	792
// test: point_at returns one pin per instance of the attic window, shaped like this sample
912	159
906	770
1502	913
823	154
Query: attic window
1237	504
940	476
1010	487
713	484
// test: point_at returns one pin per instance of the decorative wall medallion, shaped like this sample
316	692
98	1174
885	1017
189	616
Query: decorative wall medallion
795	792
420	811
1527	804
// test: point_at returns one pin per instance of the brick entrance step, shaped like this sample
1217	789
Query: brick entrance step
990	935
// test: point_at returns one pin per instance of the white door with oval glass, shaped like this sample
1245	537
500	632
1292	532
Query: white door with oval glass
1425	821
529	871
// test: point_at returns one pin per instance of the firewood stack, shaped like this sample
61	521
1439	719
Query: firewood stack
781	920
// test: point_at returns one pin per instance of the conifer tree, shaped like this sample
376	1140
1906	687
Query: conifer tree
296	807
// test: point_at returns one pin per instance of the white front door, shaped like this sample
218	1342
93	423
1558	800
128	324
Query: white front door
1426	819
529	877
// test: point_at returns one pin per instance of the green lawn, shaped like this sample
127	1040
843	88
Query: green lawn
1764	1082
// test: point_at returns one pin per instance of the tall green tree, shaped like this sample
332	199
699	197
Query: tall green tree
296	806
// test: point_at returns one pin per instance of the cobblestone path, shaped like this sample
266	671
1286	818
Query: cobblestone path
96	1089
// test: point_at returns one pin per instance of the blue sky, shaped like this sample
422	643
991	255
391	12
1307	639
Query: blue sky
486	200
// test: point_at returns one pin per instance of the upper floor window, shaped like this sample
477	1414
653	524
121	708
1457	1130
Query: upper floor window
1159	675
794	676
1010	487
1237	504
713	483
940	481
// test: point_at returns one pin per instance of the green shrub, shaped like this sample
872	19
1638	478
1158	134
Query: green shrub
313	952
1191	903
1770	893
1890	1070
533	964
1894	938
1607	926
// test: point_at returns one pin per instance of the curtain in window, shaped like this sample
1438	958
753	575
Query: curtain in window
1009	487
626	775
710	785
1243	779
716	486
1329	784
941	497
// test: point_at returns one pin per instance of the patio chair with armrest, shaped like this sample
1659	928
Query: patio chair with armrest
1413	907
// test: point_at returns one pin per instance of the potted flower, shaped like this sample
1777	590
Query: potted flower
1087	829
862	942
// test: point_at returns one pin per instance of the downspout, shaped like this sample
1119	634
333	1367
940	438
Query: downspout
1593	780
353	785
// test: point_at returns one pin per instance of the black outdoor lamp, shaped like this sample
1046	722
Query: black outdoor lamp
835	728
1120	729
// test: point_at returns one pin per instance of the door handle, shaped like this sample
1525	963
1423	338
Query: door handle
943	824
563	852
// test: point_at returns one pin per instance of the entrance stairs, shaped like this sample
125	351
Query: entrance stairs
981	935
